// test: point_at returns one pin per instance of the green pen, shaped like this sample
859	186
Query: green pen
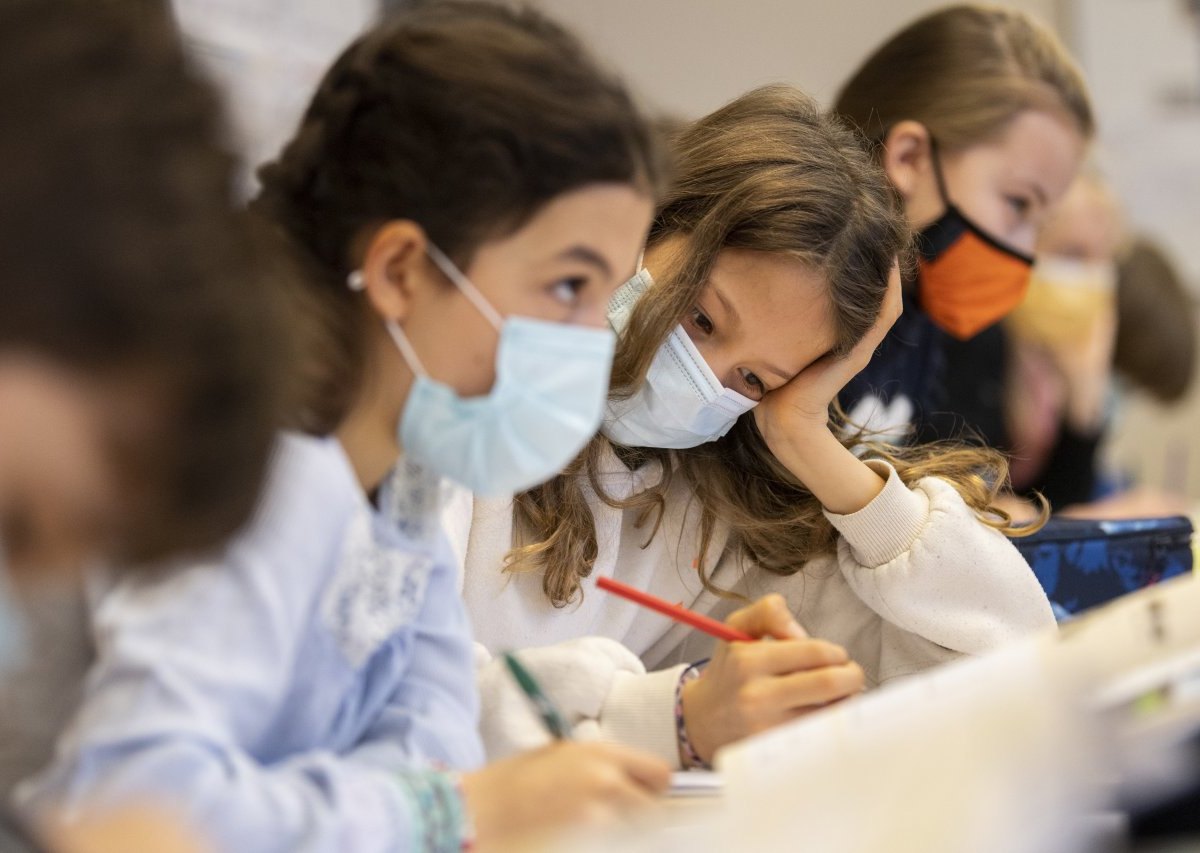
550	717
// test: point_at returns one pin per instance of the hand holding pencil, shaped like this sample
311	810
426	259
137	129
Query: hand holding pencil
751	687
748	687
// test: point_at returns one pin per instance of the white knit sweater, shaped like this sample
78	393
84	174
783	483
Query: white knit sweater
917	580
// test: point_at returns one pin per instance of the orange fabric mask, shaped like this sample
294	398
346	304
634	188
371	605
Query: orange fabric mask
968	279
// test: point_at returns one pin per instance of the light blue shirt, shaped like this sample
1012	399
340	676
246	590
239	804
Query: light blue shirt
280	693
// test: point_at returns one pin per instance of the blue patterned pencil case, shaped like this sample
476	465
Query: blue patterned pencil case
1082	563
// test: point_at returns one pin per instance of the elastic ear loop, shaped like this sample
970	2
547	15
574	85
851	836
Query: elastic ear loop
464	284
406	349
357	282
937	172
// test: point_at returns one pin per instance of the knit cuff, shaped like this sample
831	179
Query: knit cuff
640	712
889	525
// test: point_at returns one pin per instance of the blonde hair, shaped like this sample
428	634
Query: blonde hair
965	72
770	173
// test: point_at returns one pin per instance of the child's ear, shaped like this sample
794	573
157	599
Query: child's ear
908	158
394	267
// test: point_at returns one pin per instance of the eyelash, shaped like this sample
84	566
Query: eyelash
1020	205
704	325
702	322
754	383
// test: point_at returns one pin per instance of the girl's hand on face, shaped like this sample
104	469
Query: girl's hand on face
802	405
564	783
750	687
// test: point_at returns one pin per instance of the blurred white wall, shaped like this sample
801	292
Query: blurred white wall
1142	59
686	57
690	56
267	56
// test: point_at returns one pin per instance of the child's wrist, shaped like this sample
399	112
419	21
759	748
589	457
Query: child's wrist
837	478
466	840
689	755
441	820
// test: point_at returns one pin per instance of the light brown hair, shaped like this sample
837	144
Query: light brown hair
1156	323
770	173
965	72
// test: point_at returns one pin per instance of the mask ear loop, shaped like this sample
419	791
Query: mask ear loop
936	159
357	282
971	224
464	284
406	348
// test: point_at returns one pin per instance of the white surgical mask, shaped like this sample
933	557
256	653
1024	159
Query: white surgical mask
682	403
545	405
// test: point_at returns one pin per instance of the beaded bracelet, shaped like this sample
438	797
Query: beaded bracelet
467	823
691	758
439	812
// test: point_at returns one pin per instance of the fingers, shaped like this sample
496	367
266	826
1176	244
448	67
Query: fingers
893	300
625	796
889	312
615	779
805	690
767	617
650	773
747	661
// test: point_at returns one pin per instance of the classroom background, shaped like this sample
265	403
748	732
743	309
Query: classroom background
686	57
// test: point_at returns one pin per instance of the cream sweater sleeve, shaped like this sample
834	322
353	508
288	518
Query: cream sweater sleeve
640	711
598	685
921	559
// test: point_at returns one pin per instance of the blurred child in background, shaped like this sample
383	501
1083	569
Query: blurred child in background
143	355
981	119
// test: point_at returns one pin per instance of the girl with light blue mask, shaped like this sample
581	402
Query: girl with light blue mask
458	229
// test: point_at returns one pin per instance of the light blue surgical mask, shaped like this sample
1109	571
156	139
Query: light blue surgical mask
682	403
546	403
13	632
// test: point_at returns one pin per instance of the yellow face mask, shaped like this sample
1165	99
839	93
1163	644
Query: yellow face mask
1067	298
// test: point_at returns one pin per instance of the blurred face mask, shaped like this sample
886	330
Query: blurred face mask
682	402
1067	298
968	279
546	403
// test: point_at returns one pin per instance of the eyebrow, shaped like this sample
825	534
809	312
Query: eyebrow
730	312
788	377
782	374
588	256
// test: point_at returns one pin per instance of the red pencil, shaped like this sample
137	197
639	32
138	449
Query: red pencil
677	612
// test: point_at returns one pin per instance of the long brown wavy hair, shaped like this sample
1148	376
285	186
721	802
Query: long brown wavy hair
768	172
